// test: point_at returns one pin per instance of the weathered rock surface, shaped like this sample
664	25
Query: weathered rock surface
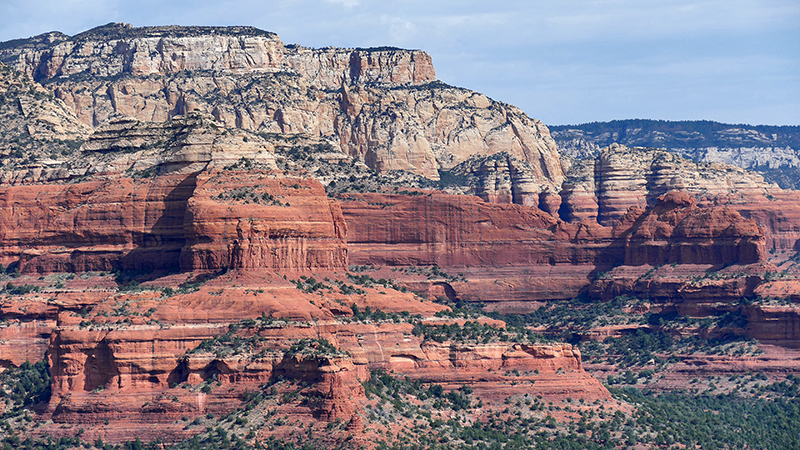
108	364
260	221
458	231
200	171
383	106
127	216
621	178
676	231
771	150
35	125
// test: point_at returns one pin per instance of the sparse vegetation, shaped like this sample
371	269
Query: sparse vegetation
24	289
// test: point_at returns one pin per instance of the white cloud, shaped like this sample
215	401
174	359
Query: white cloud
401	32
345	3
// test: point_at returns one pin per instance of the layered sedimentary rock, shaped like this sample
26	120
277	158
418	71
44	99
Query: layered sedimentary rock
676	231
621	178
383	105
260	221
140	365
635	177
135	210
97	225
35	125
460	231
127	224
504	178
202	179
190	194
116	49
121	361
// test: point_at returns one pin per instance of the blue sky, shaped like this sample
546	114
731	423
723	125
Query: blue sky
562	61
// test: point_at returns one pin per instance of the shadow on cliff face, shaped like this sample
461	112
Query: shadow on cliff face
180	373
100	367
159	248
213	370
445	288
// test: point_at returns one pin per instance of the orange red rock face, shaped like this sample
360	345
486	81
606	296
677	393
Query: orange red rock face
676	231
92	225
224	246
460	231
136	357
250	220
259	219
220	219
171	222
131	356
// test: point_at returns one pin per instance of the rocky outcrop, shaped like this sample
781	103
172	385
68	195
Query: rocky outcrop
338	390
762	148
635	177
456	231
504	178
261	221
201	188
148	205
145	371
117	49
27	339
621	178
81	227
36	127
676	231
777	325
383	106
579	193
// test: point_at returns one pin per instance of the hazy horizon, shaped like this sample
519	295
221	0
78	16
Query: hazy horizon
567	63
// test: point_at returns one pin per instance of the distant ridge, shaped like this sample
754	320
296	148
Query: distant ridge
774	151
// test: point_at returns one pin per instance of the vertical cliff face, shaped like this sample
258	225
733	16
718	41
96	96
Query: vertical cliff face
382	105
180	194
262	221
676	231
604	188
197	156
332	68
98	225
456	231
769	150
430	127
116	50
636	177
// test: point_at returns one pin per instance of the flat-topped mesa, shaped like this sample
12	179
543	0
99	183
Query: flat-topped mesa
332	68
115	50
382	105
185	193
